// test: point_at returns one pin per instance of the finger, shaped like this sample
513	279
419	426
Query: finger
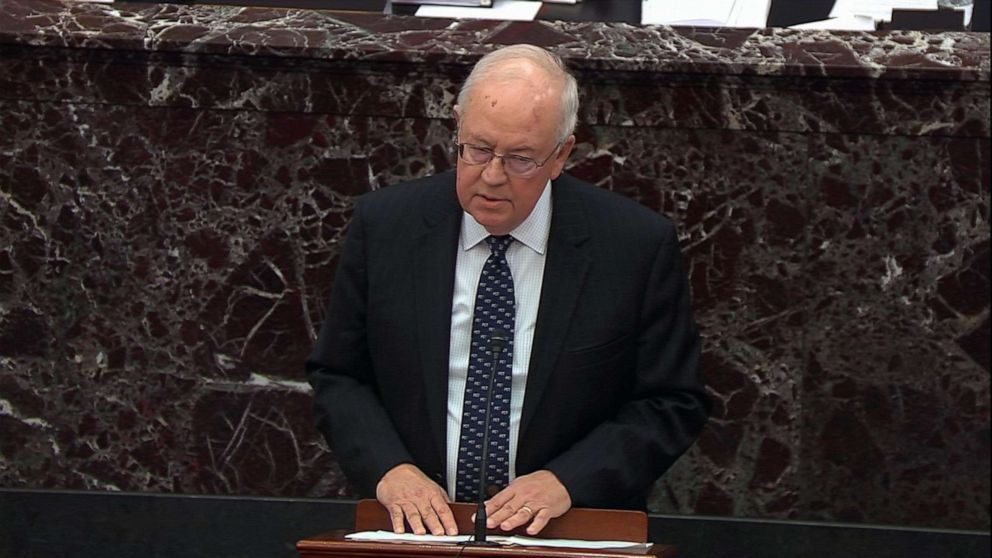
447	518
432	519
495	516
540	520
499	500
413	518
499	515
496	503
521	517
396	517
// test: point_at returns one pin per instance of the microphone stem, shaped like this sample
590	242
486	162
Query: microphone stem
480	509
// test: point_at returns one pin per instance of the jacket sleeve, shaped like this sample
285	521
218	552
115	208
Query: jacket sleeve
616	463
347	406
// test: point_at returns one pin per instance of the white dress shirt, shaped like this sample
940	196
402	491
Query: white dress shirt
526	257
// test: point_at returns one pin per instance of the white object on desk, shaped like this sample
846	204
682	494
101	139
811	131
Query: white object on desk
845	23
711	13
879	10
515	10
377	536
476	3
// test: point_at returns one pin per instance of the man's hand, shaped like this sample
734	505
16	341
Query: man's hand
408	494
535	498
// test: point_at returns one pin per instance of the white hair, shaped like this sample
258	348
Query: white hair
491	65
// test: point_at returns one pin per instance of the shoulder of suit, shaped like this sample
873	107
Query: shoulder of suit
434	192
603	205
415	187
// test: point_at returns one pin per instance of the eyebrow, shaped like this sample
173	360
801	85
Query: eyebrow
524	151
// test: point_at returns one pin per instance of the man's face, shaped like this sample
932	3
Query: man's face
512	118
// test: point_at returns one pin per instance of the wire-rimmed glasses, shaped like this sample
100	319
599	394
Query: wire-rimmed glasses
515	165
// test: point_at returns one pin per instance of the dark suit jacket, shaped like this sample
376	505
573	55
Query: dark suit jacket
613	396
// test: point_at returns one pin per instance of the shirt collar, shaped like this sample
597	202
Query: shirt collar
533	232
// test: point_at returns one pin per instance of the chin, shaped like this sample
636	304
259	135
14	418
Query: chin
490	220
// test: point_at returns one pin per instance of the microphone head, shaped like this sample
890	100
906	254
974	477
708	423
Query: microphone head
498	340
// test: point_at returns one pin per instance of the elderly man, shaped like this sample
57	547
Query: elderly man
506	283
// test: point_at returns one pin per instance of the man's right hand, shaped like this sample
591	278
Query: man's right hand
410	496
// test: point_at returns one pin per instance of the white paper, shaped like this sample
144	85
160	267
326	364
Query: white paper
967	13
514	10
846	23
377	536
662	12
750	13
880	10
574	543
711	13
386	536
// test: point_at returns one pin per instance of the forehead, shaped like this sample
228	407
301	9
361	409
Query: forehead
512	110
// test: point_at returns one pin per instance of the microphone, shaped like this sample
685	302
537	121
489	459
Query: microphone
497	342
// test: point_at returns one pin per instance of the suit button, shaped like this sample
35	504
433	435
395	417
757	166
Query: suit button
438	478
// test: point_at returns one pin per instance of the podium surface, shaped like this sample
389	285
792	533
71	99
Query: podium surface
334	544
577	523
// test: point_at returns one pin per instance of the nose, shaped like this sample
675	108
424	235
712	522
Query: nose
493	172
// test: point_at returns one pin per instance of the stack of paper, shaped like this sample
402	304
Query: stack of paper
447	2
878	10
384	536
842	23
856	15
513	10
706	13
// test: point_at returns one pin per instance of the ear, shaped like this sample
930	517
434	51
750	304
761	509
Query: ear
562	157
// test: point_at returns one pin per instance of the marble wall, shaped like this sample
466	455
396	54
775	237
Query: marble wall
175	182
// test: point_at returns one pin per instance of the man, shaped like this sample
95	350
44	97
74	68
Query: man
596	393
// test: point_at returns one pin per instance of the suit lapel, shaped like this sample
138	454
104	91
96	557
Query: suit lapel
564	275
433	266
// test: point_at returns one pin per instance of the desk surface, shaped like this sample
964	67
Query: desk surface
781	13
333	543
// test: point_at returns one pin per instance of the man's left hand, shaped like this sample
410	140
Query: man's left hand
532	499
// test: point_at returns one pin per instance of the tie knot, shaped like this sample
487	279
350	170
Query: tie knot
499	244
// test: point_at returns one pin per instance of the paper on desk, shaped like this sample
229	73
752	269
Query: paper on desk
880	10
967	13
575	543
714	13
515	10
407	537
750	13
386	536
845	23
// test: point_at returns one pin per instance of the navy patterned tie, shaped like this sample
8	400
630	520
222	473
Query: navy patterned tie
494	311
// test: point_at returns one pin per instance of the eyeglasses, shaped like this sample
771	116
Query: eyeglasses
515	165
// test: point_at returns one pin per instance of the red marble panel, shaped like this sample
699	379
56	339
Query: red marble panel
175	183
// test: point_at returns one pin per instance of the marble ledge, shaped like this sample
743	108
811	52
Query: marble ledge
615	47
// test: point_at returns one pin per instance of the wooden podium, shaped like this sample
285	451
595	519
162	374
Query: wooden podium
577	523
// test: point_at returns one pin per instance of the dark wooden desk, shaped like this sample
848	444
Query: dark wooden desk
334	544
578	523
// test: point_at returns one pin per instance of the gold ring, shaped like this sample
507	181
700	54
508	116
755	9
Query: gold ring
526	509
